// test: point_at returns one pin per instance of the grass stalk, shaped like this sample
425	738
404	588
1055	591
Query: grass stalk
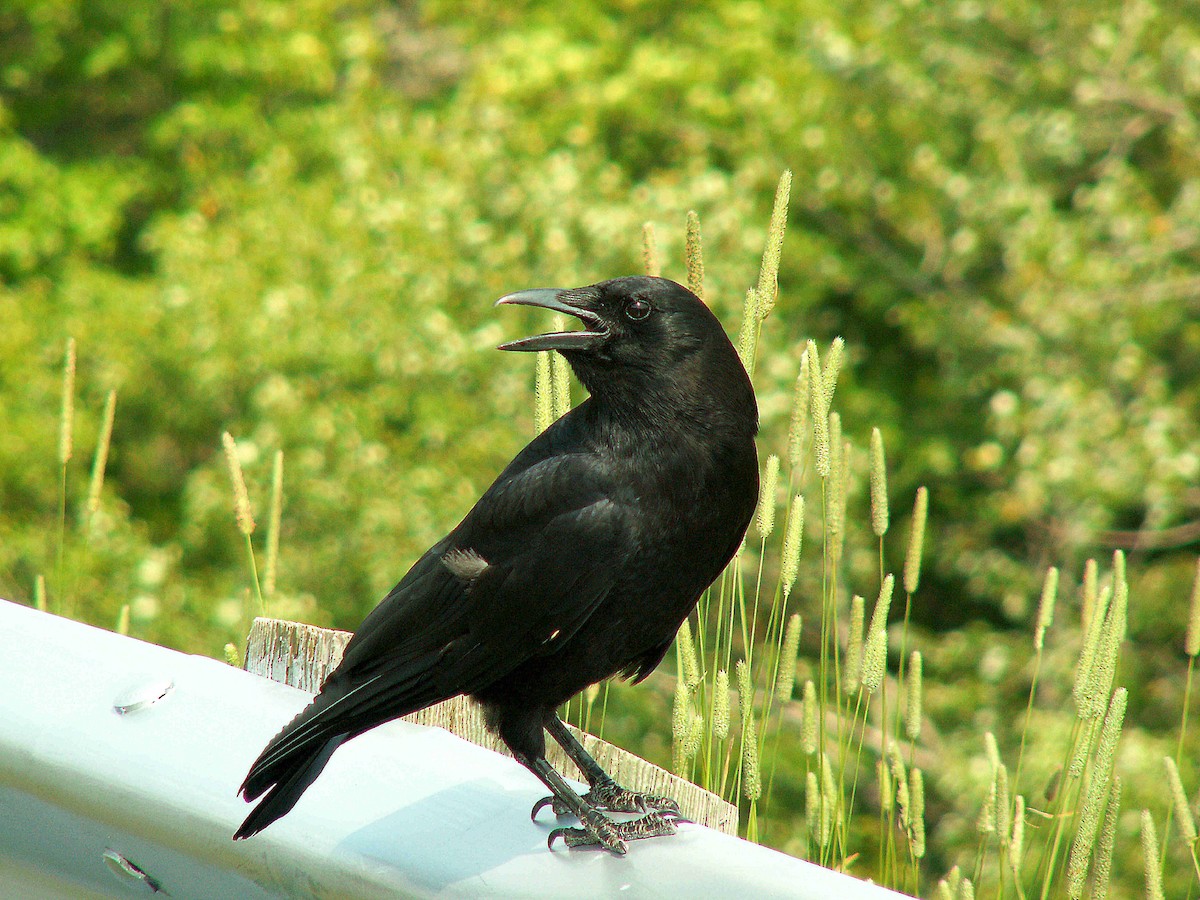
1045	619
243	514
100	462
66	434
1192	648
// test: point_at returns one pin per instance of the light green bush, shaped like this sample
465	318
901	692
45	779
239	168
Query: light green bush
288	220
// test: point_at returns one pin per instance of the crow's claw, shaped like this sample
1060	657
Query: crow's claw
611	797
601	832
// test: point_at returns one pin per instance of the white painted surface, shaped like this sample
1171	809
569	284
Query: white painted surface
402	811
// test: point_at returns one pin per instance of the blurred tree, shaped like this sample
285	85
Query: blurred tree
288	220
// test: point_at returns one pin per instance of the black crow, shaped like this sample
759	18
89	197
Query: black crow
580	562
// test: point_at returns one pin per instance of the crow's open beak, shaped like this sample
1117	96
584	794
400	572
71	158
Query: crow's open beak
558	301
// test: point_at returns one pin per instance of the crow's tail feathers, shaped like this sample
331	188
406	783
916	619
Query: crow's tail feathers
295	757
290	777
342	710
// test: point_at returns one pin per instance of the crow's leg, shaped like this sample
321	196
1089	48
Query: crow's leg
598	830
604	792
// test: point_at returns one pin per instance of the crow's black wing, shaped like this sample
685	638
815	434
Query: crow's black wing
533	559
524	569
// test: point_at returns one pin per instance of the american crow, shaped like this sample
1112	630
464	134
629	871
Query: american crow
580	562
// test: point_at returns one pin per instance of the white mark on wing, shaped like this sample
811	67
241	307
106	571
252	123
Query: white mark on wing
464	563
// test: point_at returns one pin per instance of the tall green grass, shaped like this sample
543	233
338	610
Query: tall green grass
857	721
786	659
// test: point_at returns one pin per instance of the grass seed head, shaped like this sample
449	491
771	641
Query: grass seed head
912	713
818	410
1003	804
748	336
986	823
650	258
831	370
1102	869
1096	792
852	674
992	749
812	807
916	541
720	709
879	500
874	661
808	719
768	273
1016	842
1045	616
835	513
543	392
883	604
765	516
745	689
688	663
798	423
100	460
1087	705
67	418
1154	875
241	499
830	800
785	683
751	775
680	725
1193	627
694	254
560	380
916	797
1183	809
793	539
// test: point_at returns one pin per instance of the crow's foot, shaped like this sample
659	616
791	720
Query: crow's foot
601	832
610	796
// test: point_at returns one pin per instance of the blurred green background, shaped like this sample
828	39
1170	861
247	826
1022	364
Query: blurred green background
289	220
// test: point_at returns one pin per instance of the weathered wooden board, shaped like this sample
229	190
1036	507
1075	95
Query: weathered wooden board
303	655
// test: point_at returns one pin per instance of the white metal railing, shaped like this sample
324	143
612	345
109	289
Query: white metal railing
119	762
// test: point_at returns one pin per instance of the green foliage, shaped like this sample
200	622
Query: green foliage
287	221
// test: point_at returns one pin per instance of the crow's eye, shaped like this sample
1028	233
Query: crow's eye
637	309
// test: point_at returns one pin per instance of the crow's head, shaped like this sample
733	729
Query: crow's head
645	341
648	331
